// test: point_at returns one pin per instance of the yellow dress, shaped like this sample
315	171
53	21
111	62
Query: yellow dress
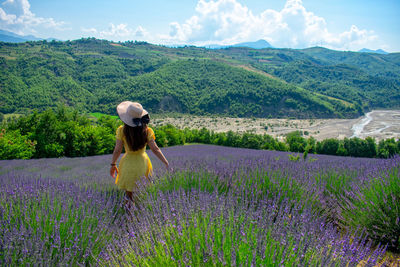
134	164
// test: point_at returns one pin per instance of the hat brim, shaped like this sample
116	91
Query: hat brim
122	110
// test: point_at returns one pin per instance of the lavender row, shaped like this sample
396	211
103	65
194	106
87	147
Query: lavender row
197	228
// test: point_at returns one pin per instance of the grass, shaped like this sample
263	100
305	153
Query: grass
12	116
97	115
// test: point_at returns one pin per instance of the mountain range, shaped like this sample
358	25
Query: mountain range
260	44
10	37
378	51
95	75
6	36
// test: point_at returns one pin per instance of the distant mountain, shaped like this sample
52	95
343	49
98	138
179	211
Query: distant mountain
260	44
10	37
6	36
378	51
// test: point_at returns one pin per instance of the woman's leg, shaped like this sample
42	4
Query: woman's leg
129	195
128	203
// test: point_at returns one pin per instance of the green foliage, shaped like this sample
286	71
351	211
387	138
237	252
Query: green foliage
95	75
388	148
63	132
358	147
341	151
296	142
358	79
376	207
206	240
209	87
293	157
187	180
111	123
13	145
168	135
328	146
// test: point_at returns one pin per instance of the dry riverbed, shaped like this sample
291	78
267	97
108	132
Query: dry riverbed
380	124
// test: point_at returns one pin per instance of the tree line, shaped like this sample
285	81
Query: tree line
293	142
63	132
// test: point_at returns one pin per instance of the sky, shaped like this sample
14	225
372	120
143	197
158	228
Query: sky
335	24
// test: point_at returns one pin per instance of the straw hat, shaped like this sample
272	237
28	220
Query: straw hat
128	111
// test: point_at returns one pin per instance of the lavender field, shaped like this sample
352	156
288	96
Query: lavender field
219	206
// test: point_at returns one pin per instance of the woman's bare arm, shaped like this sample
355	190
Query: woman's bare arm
117	152
157	151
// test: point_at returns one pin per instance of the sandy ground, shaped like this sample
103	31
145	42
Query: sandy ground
380	124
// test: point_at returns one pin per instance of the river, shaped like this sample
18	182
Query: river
380	124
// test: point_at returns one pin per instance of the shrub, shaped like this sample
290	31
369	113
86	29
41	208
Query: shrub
328	146
13	145
296	142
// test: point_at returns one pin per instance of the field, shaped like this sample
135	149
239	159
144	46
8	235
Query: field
218	206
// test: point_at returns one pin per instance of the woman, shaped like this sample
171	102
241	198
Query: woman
133	136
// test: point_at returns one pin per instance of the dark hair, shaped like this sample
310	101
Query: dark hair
136	137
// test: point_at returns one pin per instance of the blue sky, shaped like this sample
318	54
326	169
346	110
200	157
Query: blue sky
336	24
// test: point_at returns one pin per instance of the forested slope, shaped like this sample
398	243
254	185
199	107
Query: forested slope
367	79
95	75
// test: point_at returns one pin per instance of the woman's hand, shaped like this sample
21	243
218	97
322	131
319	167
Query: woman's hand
117	151
113	170
168	167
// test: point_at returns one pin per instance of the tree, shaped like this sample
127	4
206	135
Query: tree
250	140
387	148
328	146
13	145
296	142
232	139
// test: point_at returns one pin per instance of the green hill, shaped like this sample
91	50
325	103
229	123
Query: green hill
384	65
367	79
209	87
95	75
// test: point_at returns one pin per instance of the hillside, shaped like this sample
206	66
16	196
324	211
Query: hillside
209	87
367	79
382	65
94	75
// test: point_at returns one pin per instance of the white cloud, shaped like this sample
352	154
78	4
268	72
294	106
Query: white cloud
16	16
117	31
228	22
7	18
140	32
120	32
90	31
